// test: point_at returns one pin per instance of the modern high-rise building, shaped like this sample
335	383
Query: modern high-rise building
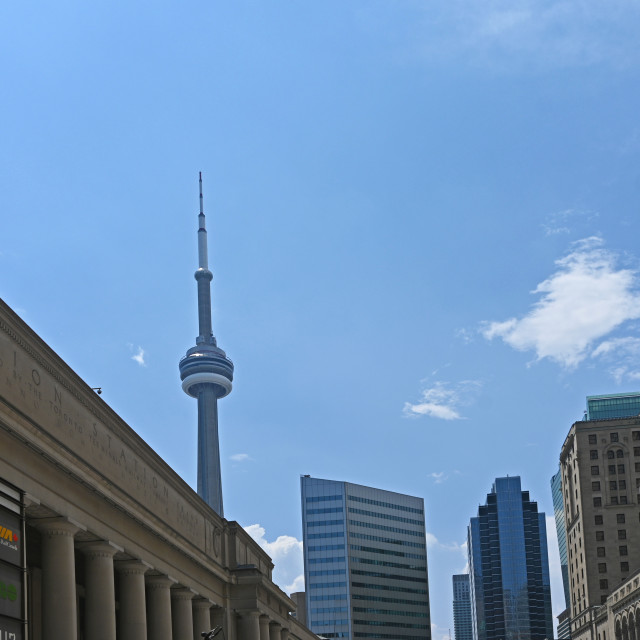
509	566
206	374
600	464
365	562
564	628
619	405
462	625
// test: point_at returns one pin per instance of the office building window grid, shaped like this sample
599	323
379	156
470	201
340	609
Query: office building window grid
385	566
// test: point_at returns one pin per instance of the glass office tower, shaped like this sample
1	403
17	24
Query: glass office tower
365	562
509	566
564	630
619	405
462	625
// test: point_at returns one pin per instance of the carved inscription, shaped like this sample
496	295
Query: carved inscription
34	391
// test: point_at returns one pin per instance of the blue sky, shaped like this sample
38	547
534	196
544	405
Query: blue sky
423	223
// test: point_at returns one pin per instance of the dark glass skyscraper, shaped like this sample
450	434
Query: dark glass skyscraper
509	566
365	562
462	625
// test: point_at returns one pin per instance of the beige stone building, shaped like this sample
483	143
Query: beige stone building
619	617
99	538
600	464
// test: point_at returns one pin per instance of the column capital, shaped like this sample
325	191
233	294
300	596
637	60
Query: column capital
131	567
58	526
201	603
275	625
248	613
99	549
182	593
159	582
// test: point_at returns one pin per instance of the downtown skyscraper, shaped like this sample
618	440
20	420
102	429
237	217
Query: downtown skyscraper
462	621
365	562
564	626
509	566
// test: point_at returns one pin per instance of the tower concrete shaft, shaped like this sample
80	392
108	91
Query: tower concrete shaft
206	374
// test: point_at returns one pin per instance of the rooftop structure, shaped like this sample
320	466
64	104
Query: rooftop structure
618	405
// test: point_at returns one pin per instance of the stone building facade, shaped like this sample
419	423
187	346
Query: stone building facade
618	618
112	543
600	462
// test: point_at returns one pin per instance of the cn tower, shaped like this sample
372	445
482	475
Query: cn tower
206	374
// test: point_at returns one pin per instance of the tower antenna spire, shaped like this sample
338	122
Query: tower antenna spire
207	375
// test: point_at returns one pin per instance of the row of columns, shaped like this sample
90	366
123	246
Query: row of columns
252	625
149	606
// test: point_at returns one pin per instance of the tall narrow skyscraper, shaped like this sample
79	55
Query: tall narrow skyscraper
564	628
365	562
462	625
509	567
207	375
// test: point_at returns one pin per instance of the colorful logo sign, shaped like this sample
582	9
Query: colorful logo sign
8	534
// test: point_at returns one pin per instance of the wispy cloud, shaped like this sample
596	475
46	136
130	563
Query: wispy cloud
440	633
438	476
434	545
535	33
563	222
623	357
240	457
443	400
138	356
584	300
286	553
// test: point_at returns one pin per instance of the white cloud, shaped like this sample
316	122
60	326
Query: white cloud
240	457
433	544
138	356
623	355
439	633
536	33
438	476
561	222
585	299
443	400
286	553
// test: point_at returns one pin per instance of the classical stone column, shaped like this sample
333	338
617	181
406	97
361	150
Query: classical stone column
201	616
264	627
284	634
99	588
59	610
274	631
159	607
249	625
182	613
218	619
132	621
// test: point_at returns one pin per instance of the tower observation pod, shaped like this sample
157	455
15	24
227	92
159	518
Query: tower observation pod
206	374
